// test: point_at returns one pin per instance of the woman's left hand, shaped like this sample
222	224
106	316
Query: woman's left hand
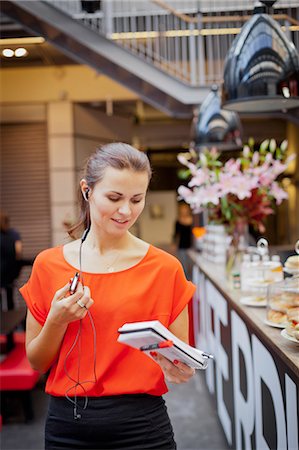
174	372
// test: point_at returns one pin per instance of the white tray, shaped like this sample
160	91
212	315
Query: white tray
250	300
275	325
288	337
291	271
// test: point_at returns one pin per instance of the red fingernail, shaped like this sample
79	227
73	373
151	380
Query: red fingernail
175	361
153	354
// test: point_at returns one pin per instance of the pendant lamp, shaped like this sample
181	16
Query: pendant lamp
261	70
215	127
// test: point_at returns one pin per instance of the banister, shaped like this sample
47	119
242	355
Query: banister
217	19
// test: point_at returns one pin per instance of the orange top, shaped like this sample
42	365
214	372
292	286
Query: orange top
153	289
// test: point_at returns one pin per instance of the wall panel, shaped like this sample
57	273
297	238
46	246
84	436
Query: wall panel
25	183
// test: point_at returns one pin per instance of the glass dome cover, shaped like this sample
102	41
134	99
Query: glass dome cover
261	71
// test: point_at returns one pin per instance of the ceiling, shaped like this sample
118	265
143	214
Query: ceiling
39	54
45	54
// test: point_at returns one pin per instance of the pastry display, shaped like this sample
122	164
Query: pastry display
292	263
282	297
277	317
292	328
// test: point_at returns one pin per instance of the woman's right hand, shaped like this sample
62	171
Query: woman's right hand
67	308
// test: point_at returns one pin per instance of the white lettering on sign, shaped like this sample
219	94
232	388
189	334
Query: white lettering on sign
243	407
195	306
265	370
207	339
219	305
292	413
259	365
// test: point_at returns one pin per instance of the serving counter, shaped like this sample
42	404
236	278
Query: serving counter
254	377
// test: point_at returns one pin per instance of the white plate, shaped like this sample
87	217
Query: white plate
251	301
287	336
262	284
292	290
275	325
291	271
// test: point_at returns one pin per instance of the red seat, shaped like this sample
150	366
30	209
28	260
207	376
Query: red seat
16	373
18	336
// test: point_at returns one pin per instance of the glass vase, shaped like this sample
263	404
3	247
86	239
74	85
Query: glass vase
235	252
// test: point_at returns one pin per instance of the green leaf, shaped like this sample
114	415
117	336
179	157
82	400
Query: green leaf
228	214
279	154
236	206
183	174
251	142
224	202
225	208
214	163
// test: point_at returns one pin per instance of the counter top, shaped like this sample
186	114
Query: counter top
287	350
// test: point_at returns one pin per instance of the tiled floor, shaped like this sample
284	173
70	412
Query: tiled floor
192	414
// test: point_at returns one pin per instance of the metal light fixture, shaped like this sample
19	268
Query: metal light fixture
213	126
261	71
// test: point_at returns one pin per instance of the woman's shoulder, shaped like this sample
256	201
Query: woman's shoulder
156	255
164	257
48	255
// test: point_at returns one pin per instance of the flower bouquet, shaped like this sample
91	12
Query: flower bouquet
235	193
240	190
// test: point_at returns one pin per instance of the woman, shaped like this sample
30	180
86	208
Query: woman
11	259
104	394
183	236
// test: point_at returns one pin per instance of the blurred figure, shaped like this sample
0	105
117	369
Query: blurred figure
91	6
183	236
11	258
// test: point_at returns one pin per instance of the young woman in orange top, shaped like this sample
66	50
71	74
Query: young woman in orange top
104	394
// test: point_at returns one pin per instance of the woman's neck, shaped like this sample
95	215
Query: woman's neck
104	244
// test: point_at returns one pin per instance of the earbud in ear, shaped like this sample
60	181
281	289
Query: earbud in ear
86	194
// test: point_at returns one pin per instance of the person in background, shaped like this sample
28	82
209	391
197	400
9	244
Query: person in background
183	236
11	259
104	394
91	6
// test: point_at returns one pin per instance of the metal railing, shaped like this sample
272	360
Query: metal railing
189	40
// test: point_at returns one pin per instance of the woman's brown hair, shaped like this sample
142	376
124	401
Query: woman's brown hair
117	155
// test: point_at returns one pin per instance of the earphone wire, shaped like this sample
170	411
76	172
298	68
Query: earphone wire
78	340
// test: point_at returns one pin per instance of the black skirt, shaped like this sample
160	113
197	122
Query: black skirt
138	421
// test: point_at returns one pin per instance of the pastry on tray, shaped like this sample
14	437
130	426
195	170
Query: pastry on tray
292	327
292	263
276	316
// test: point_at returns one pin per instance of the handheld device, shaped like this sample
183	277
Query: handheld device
74	283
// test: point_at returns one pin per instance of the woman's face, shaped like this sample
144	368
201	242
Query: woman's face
117	200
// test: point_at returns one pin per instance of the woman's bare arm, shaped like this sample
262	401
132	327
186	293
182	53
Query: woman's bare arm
180	327
179	372
43	342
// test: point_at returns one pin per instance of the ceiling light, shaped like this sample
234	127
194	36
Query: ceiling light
20	52
22	41
215	127
8	53
261	70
